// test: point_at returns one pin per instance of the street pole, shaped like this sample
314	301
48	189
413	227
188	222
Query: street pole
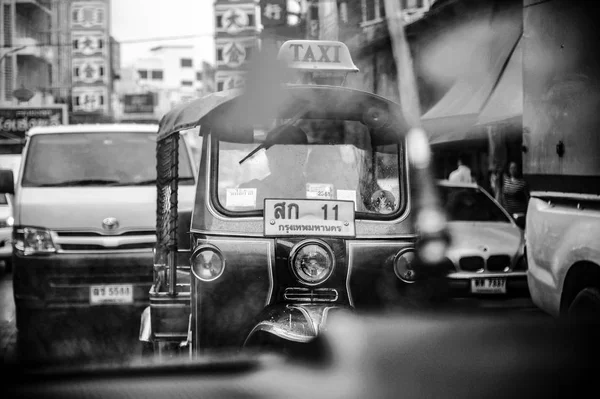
430	219
404	66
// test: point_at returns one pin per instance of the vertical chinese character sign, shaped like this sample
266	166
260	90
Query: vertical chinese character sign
89	57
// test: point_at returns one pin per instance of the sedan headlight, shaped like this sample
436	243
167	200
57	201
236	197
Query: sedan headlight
207	263
312	262
34	240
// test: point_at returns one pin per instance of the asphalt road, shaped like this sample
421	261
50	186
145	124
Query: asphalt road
112	335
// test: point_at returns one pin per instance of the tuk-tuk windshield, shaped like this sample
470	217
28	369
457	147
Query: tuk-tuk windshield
310	159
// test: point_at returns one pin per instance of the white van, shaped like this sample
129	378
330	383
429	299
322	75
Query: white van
85	216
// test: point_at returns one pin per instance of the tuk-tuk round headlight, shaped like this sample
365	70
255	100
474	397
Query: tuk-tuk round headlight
207	263
312	262
403	266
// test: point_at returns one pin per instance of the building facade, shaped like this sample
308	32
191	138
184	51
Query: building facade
237	28
87	60
168	76
26	51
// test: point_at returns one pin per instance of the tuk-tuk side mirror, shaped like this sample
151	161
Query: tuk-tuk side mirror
519	219
7	182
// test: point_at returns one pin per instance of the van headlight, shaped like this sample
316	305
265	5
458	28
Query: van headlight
207	263
34	240
312	262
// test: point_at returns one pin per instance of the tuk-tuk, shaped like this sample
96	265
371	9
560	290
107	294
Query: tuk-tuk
300	212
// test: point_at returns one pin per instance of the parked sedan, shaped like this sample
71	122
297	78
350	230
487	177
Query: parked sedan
6	223
487	252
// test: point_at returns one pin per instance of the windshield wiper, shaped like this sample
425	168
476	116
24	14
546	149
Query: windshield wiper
273	133
81	182
152	181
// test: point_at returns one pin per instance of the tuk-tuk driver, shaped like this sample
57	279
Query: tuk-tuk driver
286	158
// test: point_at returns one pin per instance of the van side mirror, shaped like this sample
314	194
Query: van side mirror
519	219
7	182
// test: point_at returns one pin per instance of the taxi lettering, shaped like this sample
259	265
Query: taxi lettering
323	51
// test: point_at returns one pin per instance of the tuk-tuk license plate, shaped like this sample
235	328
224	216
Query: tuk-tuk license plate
309	218
488	286
111	294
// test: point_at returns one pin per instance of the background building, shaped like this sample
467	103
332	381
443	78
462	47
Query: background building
87	60
466	58
25	52
165	78
237	28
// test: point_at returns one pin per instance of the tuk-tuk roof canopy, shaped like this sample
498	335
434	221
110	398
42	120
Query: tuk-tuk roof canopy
188	115
324	100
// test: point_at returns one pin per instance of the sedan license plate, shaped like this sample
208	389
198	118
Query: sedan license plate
111	294
314	217
488	286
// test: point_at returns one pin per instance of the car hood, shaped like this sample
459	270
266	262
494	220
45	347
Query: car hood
84	208
485	237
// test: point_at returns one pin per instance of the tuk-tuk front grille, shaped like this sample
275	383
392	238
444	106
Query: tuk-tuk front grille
310	294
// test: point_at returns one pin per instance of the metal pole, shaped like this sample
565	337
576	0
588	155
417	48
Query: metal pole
173	216
429	217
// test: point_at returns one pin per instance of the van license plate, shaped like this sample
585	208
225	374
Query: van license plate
111	294
488	286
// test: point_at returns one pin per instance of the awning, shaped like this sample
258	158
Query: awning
506	102
486	92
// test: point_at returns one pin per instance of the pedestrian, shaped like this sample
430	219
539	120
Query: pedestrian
515	191
462	174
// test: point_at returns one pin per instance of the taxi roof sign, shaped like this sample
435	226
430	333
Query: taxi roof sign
317	55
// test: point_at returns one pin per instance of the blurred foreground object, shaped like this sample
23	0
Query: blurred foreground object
421	355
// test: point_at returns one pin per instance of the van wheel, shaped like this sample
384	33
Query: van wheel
585	308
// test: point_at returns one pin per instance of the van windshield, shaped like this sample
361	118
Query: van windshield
96	159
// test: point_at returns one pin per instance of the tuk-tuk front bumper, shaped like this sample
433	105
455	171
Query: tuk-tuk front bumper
299	323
